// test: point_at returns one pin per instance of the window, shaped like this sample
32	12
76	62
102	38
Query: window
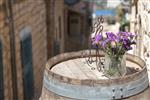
1	75
17	1
59	20
71	2
26	57
56	47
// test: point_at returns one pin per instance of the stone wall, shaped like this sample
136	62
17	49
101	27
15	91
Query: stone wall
140	25
144	17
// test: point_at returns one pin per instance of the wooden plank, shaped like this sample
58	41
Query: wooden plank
99	75
85	68
75	69
63	70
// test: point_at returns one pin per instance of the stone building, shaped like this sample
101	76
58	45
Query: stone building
140	24
67	25
76	26
55	27
140	20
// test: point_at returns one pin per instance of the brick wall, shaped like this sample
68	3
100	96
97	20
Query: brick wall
26	13
31	13
45	18
4	37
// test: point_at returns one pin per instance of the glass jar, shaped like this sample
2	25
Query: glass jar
115	66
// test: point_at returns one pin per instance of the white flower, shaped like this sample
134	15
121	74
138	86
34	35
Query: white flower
104	35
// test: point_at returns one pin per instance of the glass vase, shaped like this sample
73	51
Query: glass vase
115	66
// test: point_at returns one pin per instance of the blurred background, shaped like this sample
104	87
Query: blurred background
33	31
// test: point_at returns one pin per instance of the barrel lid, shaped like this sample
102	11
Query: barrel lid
73	73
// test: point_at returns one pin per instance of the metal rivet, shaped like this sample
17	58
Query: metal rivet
92	68
121	89
121	96
113	97
113	90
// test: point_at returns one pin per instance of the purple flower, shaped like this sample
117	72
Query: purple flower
105	42
126	41
131	35
123	34
111	36
117	43
97	39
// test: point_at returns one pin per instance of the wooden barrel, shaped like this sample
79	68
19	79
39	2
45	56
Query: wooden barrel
68	77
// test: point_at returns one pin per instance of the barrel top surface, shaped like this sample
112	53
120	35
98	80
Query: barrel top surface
79	69
71	68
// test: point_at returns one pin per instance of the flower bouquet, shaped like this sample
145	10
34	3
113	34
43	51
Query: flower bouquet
115	46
